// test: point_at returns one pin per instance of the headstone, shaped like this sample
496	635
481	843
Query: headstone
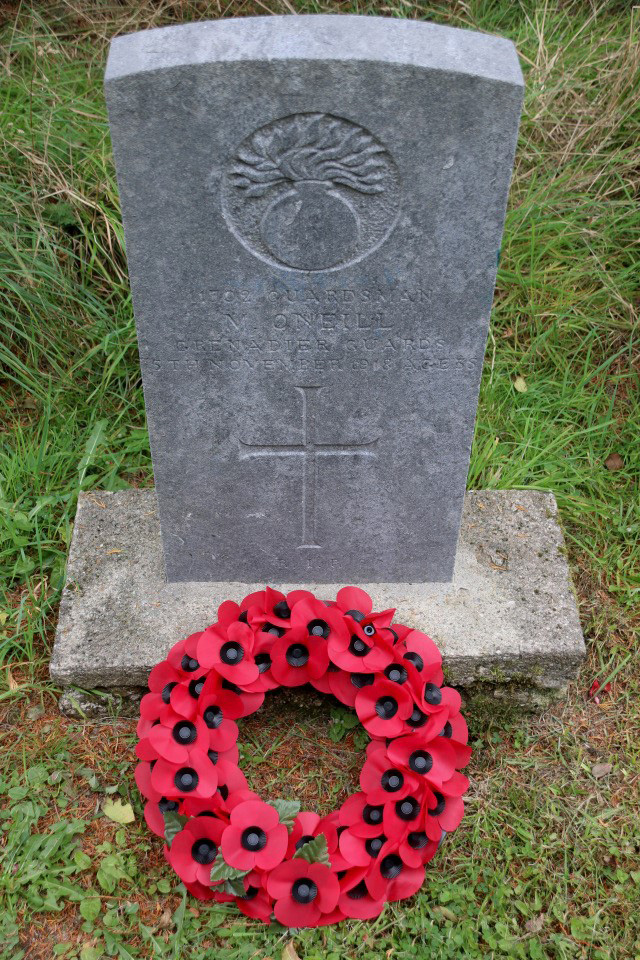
313	209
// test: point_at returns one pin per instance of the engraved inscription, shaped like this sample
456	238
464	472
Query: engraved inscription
309	450
311	192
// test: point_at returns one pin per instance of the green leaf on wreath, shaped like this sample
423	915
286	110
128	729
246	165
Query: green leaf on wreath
173	824
314	851
287	811
222	871
234	886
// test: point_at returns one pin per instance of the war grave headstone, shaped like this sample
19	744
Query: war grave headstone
313	209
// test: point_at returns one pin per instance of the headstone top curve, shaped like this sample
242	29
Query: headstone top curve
316	37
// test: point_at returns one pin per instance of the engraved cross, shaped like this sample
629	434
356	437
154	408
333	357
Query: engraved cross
310	449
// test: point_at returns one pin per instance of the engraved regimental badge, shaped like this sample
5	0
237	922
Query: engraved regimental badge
311	192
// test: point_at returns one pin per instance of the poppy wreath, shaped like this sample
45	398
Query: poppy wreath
271	859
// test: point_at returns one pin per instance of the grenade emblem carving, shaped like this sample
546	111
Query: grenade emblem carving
311	192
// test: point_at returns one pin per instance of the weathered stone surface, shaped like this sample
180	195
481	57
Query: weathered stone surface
507	624
313	209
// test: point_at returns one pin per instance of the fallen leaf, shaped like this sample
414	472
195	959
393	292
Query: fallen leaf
520	384
535	925
118	811
166	920
290	952
614	462
600	770
12	682
110	552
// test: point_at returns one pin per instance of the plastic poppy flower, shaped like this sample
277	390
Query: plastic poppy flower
363	818
415	849
346	686
383	707
420	650
162	679
195	849
175	737
307	826
196	777
298	658
355	900
182	656
229	651
255	837
256	902
303	892
434	760
356	652
382	781
262	647
219	708
317	620
269	607
359	851
403	815
389	878
445	807
437	699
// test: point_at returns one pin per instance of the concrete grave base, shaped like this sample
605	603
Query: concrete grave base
507	625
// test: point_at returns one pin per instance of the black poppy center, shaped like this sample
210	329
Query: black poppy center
396	673
357	646
358	892
254	839
361	680
369	630
195	687
243	618
304	890
251	893
415	659
273	630
189	664
166	693
374	845
307	838
417	718
417	839
372	815
231	653
212	717
186	779
432	694
439	807
167	806
263	662
223	791
407	809
281	609
392	781
420	761
297	655
391	866
184	733
355	615
386	707
213	756
447	731
204	851
318	628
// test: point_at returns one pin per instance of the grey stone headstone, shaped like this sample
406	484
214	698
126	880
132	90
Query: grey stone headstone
313	209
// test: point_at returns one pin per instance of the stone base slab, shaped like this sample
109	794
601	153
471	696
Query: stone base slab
507	625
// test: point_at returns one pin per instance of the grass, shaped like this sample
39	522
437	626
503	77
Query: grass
546	864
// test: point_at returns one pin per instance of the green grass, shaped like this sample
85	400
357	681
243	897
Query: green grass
546	863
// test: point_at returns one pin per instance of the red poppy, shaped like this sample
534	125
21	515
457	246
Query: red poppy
298	658
195	849
433	760
229	651
383	707
359	851
389	878
416	849
382	781
255	837
218	709
307	826
303	892
350	599
363	818
256	902
346	686
175	737
196	778
445	806
262	647
420	650
182	656
355	900
353	650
